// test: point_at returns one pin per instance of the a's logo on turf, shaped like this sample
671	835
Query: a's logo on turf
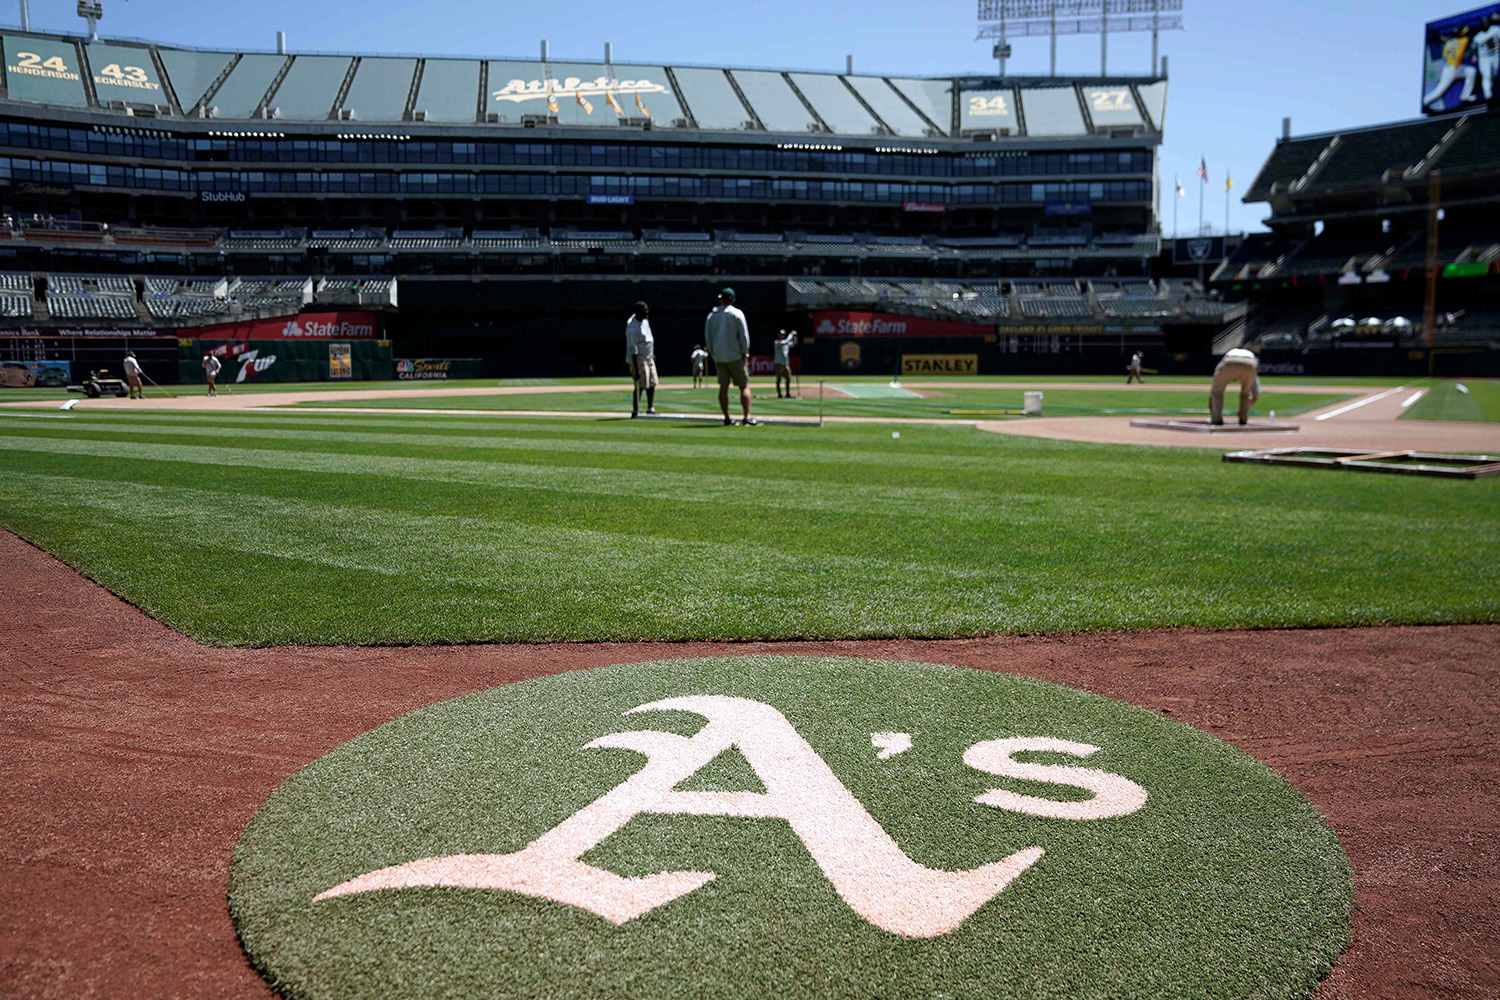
745	827
868	869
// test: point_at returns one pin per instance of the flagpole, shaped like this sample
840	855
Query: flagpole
1227	185
1176	197
1201	185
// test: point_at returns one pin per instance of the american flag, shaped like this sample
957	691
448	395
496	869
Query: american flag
1180	191
1203	170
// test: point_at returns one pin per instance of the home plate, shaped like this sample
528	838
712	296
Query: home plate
1201	425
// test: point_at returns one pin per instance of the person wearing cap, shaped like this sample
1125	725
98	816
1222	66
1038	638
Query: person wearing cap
700	363
640	351
1135	369
783	350
1242	366
133	376
728	338
211	367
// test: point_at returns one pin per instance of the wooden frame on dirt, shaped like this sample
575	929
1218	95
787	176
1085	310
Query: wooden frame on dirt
1409	463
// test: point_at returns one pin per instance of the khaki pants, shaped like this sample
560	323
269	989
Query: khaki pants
644	373
1248	376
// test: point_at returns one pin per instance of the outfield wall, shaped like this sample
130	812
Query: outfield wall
286	360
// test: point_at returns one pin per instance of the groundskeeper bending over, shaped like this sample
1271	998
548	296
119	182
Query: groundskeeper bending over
1242	366
728	338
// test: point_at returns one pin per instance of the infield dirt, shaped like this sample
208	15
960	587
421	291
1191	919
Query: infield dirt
135	757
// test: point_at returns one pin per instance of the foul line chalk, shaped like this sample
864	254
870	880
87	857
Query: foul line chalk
1358	403
1413	398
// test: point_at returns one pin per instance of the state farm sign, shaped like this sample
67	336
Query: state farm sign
842	323
307	326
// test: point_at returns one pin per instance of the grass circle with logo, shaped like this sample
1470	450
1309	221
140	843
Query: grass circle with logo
783	826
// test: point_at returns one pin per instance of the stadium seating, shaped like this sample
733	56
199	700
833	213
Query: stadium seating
1474	148
1136	307
505	239
436	239
242	239
12	282
1055	307
347	239
1364	157
14	305
90	306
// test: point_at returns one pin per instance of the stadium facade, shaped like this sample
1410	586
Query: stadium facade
511	210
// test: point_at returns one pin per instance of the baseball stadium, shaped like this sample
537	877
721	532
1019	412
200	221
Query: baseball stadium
517	527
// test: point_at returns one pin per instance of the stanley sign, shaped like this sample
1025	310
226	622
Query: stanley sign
939	364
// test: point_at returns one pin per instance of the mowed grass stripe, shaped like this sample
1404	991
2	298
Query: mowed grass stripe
1027	487
646	485
272	570
478	579
673	444
946	532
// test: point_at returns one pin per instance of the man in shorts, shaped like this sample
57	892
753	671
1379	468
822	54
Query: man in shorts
133	376
640	351
211	366
728	338
783	351
700	363
1239	365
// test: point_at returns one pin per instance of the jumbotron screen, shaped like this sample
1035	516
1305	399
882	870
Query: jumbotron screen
1461	61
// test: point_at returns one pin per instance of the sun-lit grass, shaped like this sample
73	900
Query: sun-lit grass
331	528
1478	399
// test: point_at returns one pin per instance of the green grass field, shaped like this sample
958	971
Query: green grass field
43	395
1445	401
298	527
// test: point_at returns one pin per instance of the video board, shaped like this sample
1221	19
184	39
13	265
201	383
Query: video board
1461	61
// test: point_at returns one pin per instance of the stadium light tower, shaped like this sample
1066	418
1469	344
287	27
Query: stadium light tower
1006	19
91	11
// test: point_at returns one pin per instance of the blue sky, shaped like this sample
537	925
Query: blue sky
1235	71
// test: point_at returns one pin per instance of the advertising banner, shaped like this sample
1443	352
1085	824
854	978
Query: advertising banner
1461	60
843	323
307	326
765	364
88	332
939	364
931	207
438	369
340	361
40	374
284	360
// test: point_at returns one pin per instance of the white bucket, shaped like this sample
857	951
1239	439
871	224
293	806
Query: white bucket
1031	403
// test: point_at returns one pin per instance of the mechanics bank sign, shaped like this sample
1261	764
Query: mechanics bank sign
872	324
